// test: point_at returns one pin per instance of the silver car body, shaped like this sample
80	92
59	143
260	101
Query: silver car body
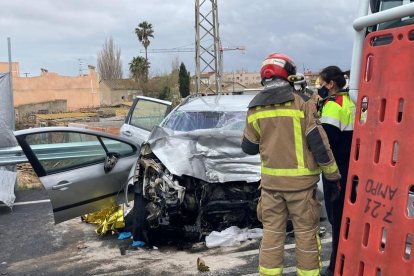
75	167
133	129
86	187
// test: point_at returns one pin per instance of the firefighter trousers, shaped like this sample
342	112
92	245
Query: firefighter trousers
273	210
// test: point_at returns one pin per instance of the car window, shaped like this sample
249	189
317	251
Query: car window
122	149
148	114
60	151
193	120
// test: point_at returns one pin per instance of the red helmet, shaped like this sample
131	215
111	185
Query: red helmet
277	65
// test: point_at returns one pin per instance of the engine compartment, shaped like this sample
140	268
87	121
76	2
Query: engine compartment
189	207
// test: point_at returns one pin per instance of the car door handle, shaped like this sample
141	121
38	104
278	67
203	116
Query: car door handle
62	185
127	133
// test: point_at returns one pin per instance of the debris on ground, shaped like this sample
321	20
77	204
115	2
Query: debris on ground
122	250
201	265
109	219
124	235
81	246
232	236
138	243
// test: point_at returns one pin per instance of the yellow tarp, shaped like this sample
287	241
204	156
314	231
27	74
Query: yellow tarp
109	219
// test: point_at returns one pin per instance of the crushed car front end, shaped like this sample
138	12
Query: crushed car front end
195	182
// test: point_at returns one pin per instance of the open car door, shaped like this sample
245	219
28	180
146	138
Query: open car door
144	114
82	170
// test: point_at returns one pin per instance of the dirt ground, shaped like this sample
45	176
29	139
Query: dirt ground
26	178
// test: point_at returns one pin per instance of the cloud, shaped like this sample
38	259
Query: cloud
56	34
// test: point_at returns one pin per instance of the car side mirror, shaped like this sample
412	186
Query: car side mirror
110	161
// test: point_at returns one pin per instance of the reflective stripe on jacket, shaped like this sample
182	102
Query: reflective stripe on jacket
287	152
339	111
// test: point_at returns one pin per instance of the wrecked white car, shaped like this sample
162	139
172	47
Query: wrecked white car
190	176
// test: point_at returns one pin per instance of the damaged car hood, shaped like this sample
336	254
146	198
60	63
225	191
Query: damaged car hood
212	155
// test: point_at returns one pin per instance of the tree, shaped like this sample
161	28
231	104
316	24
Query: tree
184	81
138	67
109	61
165	94
175	65
144	32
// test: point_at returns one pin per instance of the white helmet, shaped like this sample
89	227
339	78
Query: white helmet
300	82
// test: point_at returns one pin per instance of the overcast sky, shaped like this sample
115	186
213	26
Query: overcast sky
55	34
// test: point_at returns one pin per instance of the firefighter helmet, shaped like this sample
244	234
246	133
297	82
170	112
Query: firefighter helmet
300	79
277	65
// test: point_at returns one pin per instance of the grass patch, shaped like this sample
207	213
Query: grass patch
26	178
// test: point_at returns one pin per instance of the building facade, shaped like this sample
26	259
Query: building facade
79	91
116	92
242	77
231	81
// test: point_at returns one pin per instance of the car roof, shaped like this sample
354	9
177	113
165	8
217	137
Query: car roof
217	103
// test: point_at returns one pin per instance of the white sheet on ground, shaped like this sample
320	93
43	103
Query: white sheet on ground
232	236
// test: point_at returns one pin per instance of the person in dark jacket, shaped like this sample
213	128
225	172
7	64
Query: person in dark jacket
337	117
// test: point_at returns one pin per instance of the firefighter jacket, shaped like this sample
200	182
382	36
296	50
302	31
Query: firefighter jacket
306	94
293	147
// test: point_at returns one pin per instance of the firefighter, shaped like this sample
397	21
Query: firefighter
301	87
293	148
337	118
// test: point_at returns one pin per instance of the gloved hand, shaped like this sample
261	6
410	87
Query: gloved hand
336	191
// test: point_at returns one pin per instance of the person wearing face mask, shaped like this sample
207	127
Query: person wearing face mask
337	114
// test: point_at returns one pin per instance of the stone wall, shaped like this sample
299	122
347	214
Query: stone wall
25	113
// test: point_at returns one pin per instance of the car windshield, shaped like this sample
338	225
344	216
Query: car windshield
193	120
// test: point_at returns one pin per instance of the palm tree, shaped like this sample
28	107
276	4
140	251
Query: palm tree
139	68
144	32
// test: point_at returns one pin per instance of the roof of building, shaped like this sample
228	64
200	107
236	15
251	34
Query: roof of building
207	74
121	84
